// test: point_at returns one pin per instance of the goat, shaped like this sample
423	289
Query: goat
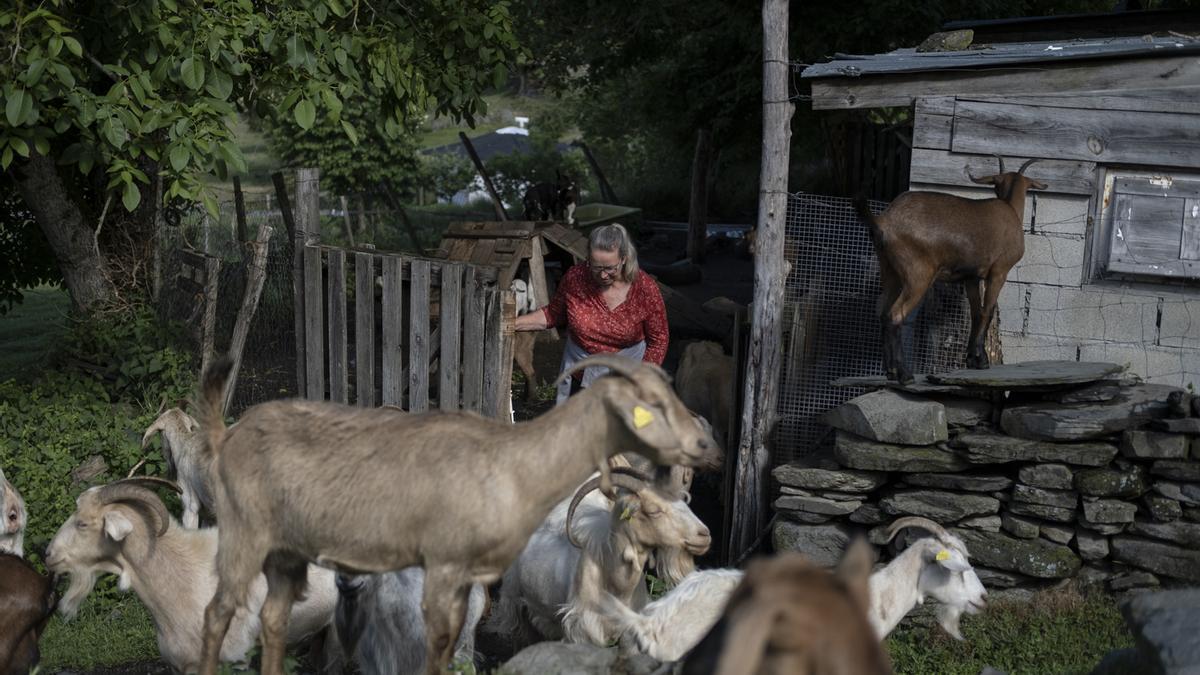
124	529
934	566
12	511
27	602
926	236
379	622
469	491
552	201
183	448
704	382
790	616
579	554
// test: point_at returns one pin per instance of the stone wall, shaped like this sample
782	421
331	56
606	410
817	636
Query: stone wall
1099	480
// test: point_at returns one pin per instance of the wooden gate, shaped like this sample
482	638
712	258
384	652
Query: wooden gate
393	329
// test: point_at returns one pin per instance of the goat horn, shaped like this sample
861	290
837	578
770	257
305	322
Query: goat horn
618	364
137	492
1001	160
621	477
916	521
1021	171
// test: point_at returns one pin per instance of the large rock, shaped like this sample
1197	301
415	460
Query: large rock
1033	557
1191	513
1101	528
1019	527
1029	374
963	412
1158	557
984	447
1176	469
1164	626
1132	580
1153	445
1183	492
1134	407
891	417
824	544
1057	533
1161	508
1111	483
985	523
938	506
1178	532
562	658
804	517
813	478
1094	393
1031	495
1091	546
1109	511
999	579
962	481
817	505
1050	476
860	453
868	514
1057	514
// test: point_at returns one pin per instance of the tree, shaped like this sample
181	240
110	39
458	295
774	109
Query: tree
104	111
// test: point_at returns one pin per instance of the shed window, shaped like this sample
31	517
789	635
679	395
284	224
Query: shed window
1153	224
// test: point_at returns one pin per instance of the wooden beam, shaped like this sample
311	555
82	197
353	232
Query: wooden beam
307	215
1140	100
241	328
698	206
393	330
606	191
497	204
939	167
364	328
881	91
314	325
753	457
418	338
336	322
450	325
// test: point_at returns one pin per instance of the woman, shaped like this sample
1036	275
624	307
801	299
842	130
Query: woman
608	305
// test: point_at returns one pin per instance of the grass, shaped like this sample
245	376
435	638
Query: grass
31	330
118	633
1058	631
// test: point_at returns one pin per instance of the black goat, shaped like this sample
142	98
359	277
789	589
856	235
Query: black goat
552	201
27	601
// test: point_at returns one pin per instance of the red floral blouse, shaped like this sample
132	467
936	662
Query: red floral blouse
579	304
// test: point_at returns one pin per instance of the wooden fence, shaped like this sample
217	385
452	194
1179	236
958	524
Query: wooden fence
392	329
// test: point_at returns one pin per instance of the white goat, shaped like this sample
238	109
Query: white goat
593	546
379	622
936	566
124	529
704	381
14	518
183	448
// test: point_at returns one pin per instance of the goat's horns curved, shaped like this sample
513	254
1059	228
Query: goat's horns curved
621	477
916	521
618	364
1001	160
1024	166
137	492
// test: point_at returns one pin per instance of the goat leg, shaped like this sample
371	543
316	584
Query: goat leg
285	583
976	358
991	294
444	604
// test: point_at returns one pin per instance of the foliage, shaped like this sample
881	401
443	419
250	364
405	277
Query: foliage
25	257
32	331
108	634
512	173
1058	631
447	173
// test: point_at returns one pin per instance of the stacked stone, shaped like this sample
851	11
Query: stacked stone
1097	481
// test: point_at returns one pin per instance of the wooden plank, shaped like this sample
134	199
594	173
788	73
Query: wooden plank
493	344
336	296
932	131
1109	136
482	255
1162	186
508	313
208	328
1189	249
937	167
418	337
486	273
473	317
314	328
192	259
450	325
295	244
537	275
1141	100
392	366
524	233
1126	74
364	328
934	105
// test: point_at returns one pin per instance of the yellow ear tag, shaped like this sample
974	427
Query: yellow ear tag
641	417
943	555
627	513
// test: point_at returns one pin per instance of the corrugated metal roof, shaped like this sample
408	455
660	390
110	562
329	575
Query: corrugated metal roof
990	56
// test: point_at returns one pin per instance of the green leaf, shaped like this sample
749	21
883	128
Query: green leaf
179	157
191	71
35	71
19	145
18	107
210	204
337	8
56	45
305	113
73	46
41	145
219	85
63	74
350	132
113	130
5	158
130	196
499	75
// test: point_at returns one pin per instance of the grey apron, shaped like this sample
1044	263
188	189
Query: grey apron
572	353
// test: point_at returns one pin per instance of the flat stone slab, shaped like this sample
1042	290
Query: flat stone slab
1153	445
1109	511
938	506
1021	528
961	481
1164	626
891	417
1055	513
1111	482
1162	509
990	448
1029	374
1033	557
860	453
823	544
1185	470
1052	476
1091	546
1177	532
1158	557
812	478
1184	492
1063	499
919	385
1189	426
1061	422
816	505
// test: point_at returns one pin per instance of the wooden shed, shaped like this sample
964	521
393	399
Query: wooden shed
1112	249
506	244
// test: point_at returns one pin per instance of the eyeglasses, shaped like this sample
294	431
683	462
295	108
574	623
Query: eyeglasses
604	269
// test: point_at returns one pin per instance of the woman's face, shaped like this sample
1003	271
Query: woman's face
605	266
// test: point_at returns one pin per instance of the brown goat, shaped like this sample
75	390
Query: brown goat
923	237
26	603
790	616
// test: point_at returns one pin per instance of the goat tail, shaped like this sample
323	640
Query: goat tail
864	212
212	408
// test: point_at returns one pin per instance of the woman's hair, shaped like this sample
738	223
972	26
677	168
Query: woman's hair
615	238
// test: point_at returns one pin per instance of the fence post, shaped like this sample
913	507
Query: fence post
306	227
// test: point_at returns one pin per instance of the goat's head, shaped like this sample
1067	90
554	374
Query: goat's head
89	542
947	575
12	517
1008	183
639	395
657	521
567	187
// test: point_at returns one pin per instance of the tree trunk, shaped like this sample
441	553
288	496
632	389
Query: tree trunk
698	208
71	238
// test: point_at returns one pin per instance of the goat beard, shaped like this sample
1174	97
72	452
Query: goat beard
81	585
947	617
672	564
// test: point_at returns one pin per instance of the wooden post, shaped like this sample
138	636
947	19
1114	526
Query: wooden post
208	329
307	225
296	241
364	327
762	373
698	209
347	219
487	180
606	191
239	211
241	328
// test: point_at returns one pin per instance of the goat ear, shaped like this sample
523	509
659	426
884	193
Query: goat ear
1037	185
951	560
648	423
117	526
854	570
